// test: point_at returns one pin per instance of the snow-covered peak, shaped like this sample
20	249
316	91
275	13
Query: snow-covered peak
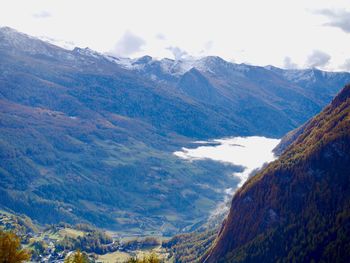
129	63
11	36
11	39
10	32
68	45
210	64
147	65
87	52
179	67
6	29
273	68
175	67
143	60
309	75
124	62
212	61
298	75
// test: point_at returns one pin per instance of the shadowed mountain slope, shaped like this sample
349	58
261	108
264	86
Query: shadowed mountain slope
297	208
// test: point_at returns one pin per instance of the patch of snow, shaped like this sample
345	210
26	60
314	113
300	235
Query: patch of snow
297	75
88	52
68	45
12	39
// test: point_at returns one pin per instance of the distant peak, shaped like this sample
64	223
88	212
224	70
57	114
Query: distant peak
79	49
87	52
167	60
193	70
213	59
271	67
7	29
143	60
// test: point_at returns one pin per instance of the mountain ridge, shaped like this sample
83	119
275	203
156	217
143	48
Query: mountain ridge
297	208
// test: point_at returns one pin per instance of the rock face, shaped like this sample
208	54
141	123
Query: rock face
298	208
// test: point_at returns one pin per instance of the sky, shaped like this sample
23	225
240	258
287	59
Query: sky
288	33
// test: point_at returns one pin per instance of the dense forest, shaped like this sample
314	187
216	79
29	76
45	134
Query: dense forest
297	208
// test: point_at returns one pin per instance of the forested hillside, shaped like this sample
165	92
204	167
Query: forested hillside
297	208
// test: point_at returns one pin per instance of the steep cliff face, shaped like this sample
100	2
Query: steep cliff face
298	208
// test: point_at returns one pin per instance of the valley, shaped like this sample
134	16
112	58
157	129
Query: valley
123	157
88	138
248	153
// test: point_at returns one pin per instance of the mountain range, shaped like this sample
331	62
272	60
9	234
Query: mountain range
90	137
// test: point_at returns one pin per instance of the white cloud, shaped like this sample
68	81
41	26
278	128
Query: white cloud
128	45
160	36
317	59
178	53
339	18
346	65
209	45
42	14
289	64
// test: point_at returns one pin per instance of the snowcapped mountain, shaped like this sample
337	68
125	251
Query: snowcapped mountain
291	96
176	68
20	42
154	68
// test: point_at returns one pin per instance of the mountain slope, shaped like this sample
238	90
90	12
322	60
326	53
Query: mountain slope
262	100
298	208
239	99
88	137
83	82
83	139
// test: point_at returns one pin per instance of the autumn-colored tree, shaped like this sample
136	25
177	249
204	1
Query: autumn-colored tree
10	248
152	258
77	257
132	260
